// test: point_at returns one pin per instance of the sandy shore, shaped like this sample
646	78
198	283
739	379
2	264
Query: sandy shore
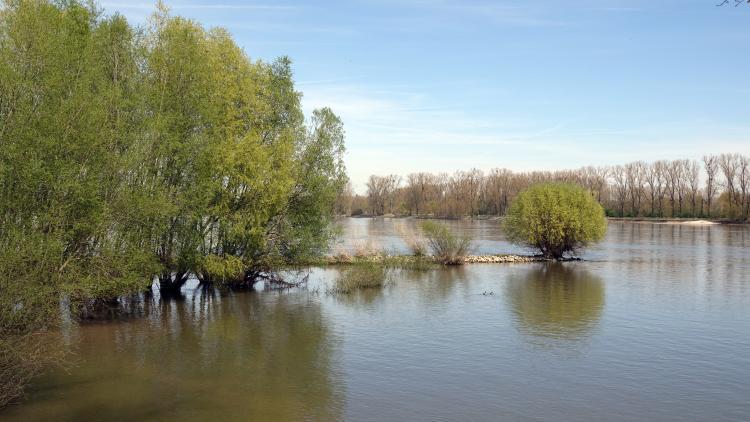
689	222
694	223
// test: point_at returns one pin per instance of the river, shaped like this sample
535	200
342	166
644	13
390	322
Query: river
654	324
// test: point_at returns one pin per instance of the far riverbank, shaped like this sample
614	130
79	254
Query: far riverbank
657	220
688	221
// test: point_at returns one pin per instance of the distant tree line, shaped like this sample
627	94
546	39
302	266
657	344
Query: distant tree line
718	186
133	154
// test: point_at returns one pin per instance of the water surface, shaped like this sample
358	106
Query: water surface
653	325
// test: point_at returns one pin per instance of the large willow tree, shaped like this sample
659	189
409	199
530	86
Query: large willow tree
69	87
133	153
245	185
69	107
159	151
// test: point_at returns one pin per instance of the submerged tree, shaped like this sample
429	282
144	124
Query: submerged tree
555	218
68	126
245	187
67	138
128	154
275	200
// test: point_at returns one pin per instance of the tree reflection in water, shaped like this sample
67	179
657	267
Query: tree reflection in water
556	301
235	356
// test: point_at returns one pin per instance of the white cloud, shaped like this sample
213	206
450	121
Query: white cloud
400	131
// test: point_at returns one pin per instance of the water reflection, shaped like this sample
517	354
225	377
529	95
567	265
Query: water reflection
558	301
364	299
438	284
244	356
383	233
674	341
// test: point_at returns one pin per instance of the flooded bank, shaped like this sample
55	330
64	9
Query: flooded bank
653	325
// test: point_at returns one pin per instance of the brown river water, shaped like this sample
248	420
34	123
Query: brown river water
654	325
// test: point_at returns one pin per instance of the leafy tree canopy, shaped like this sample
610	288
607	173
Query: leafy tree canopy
556	218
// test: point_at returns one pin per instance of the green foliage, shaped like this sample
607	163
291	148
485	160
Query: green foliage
366	275
252	187
412	263
66	143
222	269
127	154
166	151
320	176
555	218
556	300
447	248
29	316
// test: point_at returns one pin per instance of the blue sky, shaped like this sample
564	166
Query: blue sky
430	85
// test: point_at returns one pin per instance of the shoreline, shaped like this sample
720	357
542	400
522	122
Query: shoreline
677	220
410	260
654	220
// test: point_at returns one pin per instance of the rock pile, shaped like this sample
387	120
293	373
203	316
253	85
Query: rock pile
497	259
345	258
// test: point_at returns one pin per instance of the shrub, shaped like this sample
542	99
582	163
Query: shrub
367	249
366	275
447	247
24	356
29	335
414	241
555	218
29	312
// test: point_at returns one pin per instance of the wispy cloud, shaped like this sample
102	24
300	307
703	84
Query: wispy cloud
401	131
417	134
399	117
442	85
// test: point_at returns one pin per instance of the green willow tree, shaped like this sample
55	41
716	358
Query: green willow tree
68	121
65	142
555	218
134	154
180	79
279	209
253	169
246	186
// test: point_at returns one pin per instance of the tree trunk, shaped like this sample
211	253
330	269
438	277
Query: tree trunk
172	286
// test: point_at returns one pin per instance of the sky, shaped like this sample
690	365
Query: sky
441	86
